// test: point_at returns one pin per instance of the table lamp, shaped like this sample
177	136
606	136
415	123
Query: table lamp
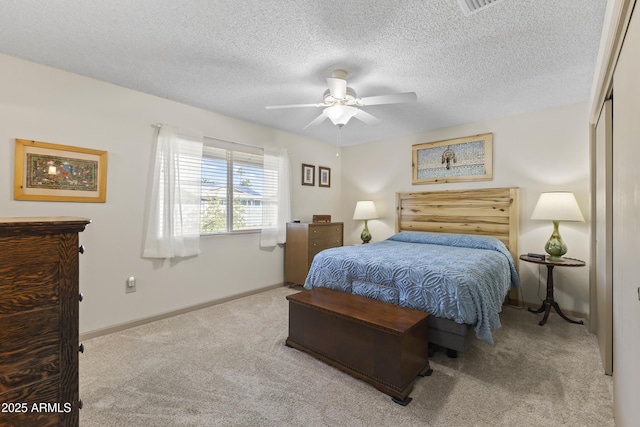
365	210
557	206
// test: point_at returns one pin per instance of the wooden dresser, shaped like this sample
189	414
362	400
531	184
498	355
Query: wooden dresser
39	304
304	241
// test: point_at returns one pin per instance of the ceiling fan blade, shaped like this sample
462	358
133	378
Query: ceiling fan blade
337	87
273	107
366	117
321	118
395	98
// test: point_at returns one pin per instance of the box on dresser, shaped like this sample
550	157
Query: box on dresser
39	284
304	241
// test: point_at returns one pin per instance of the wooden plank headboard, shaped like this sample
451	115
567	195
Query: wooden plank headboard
487	211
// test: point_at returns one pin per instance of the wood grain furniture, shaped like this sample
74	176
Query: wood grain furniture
382	344
486	211
39	289
304	241
549	301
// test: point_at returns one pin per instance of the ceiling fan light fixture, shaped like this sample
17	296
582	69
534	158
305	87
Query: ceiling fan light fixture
350	97
340	102
340	114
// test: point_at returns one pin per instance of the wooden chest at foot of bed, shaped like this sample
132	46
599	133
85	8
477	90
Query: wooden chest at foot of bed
382	344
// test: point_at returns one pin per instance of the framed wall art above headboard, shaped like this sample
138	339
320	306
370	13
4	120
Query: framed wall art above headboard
453	160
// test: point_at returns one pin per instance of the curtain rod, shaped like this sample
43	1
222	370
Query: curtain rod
158	125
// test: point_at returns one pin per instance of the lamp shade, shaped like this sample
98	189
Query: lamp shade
365	210
340	114
557	206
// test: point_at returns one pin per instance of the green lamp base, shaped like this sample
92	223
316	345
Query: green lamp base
365	236
555	246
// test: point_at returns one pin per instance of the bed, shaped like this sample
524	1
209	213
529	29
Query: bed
454	256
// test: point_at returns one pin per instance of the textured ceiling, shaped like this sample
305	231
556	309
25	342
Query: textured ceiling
235	57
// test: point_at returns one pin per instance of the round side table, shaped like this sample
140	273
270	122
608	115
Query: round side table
549	301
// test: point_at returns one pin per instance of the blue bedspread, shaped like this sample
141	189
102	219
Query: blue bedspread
460	277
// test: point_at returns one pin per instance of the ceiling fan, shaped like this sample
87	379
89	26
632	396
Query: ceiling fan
341	103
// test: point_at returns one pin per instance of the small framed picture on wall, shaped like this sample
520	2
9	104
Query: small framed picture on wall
308	175
324	177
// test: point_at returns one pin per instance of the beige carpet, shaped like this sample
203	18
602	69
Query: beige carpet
227	365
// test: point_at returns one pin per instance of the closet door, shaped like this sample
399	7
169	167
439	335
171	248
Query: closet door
626	227
604	243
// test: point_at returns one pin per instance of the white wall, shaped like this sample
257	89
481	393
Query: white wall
541	151
44	104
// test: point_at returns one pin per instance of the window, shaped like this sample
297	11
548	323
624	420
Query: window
233	181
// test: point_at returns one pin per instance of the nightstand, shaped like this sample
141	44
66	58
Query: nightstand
549	301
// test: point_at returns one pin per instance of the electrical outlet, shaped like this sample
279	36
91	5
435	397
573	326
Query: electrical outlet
130	285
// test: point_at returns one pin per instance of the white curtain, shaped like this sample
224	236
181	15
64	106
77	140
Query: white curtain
276	198
173	219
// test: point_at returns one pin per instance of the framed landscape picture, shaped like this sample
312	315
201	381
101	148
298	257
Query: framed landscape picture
62	173
453	160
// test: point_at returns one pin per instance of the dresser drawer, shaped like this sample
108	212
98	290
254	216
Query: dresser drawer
325	243
327	237
37	393
325	232
35	288
29	249
31	348
314	250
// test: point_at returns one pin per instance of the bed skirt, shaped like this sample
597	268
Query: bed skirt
449	334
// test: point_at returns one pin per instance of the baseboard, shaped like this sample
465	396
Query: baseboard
127	325
132	324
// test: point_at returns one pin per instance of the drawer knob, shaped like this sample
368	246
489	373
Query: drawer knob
81	249
315	244
80	297
81	348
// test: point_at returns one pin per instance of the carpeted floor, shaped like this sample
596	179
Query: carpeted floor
227	365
